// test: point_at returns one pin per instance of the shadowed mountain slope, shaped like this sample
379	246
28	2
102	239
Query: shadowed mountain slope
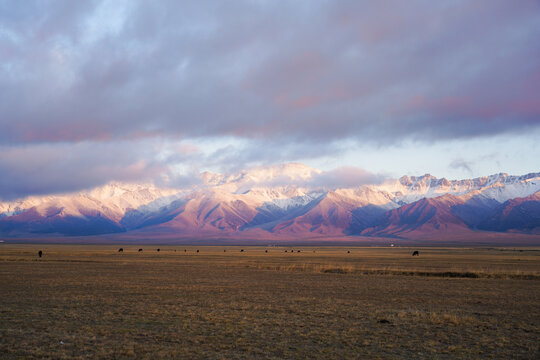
520	214
283	201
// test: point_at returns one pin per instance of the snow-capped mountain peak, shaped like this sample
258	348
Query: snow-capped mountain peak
278	198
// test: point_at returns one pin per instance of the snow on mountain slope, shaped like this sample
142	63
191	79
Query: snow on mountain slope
423	217
367	195
500	187
330	214
88	212
262	177
277	199
116	197
216	210
519	214
451	214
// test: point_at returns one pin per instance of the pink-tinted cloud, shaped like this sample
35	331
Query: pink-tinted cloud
341	177
317	70
293	79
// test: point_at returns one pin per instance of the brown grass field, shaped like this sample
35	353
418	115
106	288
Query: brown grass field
89	301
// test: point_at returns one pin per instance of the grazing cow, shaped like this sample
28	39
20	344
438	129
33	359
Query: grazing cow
197	250
298	251
415	253
140	250
224	250
348	251
242	250
121	250
285	250
185	250
158	250
265	251
40	253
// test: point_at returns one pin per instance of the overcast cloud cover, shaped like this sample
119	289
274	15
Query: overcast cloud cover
93	91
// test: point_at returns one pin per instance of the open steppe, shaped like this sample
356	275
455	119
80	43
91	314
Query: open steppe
90	301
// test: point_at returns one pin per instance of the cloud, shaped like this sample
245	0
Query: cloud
347	177
318	71
37	169
59	168
300	175
93	91
462	164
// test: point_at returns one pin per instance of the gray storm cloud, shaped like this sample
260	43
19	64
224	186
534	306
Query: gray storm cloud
59	168
101	70
271	73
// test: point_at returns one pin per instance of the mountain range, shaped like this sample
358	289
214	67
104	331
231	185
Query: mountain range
285	202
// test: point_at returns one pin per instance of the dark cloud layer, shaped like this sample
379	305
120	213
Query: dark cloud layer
59	168
378	71
86	85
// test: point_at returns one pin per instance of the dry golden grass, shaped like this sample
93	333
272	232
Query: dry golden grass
397	270
317	303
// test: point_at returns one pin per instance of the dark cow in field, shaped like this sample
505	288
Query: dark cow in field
40	253
348	251
224	250
265	251
121	250
415	253
197	250
298	251
158	250
140	250
242	250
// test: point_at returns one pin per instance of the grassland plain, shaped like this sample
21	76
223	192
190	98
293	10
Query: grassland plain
89	301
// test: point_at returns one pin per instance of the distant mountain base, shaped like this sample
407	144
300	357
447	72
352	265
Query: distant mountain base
244	208
480	239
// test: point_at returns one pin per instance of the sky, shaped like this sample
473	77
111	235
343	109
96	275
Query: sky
144	91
